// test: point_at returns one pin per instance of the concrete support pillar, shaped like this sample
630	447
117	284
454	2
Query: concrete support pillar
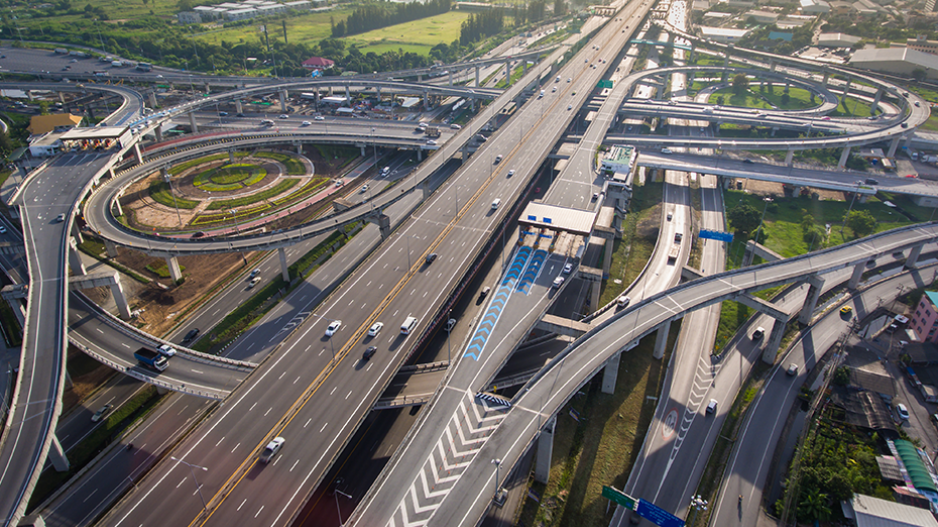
284	268
419	155
152	98
299	148
138	155
772	65
76	233
862	198
545	451
810	303
726	60
348	94
507	73
771	346
875	105
283	101
661	339
231	157
363	150
193	124
238	107
595	291
451	78
174	271
477	76
378	91
912	261
893	146
472	104
827	76
57	456
857	275
111	249
796	190
846	89
159	134
844	156
774	129
120	299
426	99
790	157
610	372
208	90
524	67
74	259
118	210
316	97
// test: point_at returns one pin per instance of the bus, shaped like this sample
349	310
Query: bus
144	66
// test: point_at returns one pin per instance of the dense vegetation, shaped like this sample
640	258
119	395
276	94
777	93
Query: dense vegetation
759	39
383	14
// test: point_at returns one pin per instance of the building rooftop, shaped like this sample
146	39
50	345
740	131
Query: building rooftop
723	32
620	154
558	218
899	54
874	512
40	124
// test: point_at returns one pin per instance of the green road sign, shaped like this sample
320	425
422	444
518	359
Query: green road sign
605	84
619	497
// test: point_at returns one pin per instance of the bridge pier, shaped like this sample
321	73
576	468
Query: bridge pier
545	451
119	211
138	156
426	99
76	233
507	73
844	156
159	135
231	159
284	268
57	456
74	259
661	339
893	146
451	77
283	101
875	105
846	89
810	303
610	372
208	90
348	96
772	65
827	76
477	76
754	249
192	123
771	347
912	261
174	271
238	107
363	150
774	129
383	221
857	275
790	157
111	248
152	98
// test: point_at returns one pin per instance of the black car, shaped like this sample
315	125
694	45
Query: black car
193	333
368	353
431	257
747	161
198	234
871	181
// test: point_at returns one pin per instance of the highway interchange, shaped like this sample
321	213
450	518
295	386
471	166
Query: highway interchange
391	282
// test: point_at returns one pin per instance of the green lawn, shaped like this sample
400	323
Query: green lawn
632	252
798	98
418	36
307	29
851	108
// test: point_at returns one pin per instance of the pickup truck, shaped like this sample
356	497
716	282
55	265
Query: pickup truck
151	359
675	249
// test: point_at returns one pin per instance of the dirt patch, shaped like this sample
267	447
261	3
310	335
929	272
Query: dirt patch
87	376
649	227
162	301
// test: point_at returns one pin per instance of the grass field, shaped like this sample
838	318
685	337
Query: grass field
305	29
798	98
418	36
633	250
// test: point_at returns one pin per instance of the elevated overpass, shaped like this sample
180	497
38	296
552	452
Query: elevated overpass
463	492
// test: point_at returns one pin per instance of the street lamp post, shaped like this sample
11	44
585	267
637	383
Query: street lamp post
449	330
697	503
497	462
192	468
169	182
337	509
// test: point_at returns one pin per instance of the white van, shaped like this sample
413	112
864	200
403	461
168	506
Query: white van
409	324
496	203
385	171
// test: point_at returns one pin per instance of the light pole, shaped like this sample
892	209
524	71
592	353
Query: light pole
169	181
374	148
331	345
497	462
449	330
192	469
850	208
337	509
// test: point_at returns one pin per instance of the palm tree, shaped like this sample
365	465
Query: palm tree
814	507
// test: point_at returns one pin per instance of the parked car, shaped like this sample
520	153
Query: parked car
902	412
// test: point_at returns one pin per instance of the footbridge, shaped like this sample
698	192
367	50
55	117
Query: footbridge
463	474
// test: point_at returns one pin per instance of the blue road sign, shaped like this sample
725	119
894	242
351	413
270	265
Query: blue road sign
659	516
717	235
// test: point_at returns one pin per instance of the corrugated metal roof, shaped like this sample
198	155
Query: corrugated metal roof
558	218
874	512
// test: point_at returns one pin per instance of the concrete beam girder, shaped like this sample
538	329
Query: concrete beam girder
562	326
763	306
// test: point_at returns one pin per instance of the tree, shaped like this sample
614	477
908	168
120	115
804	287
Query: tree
814	507
918	74
744	218
559	8
860	222
740	84
720	100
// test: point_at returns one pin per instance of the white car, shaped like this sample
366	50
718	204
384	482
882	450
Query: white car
431	142
272	448
333	327
567	269
305	123
254	282
712	407
455	126
623	301
375	329
511	173
319	118
364	189
166	350
284	116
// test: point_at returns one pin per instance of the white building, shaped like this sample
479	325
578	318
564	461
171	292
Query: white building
723	34
207	12
815	7
299	5
762	17
901	61
836	40
240	14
